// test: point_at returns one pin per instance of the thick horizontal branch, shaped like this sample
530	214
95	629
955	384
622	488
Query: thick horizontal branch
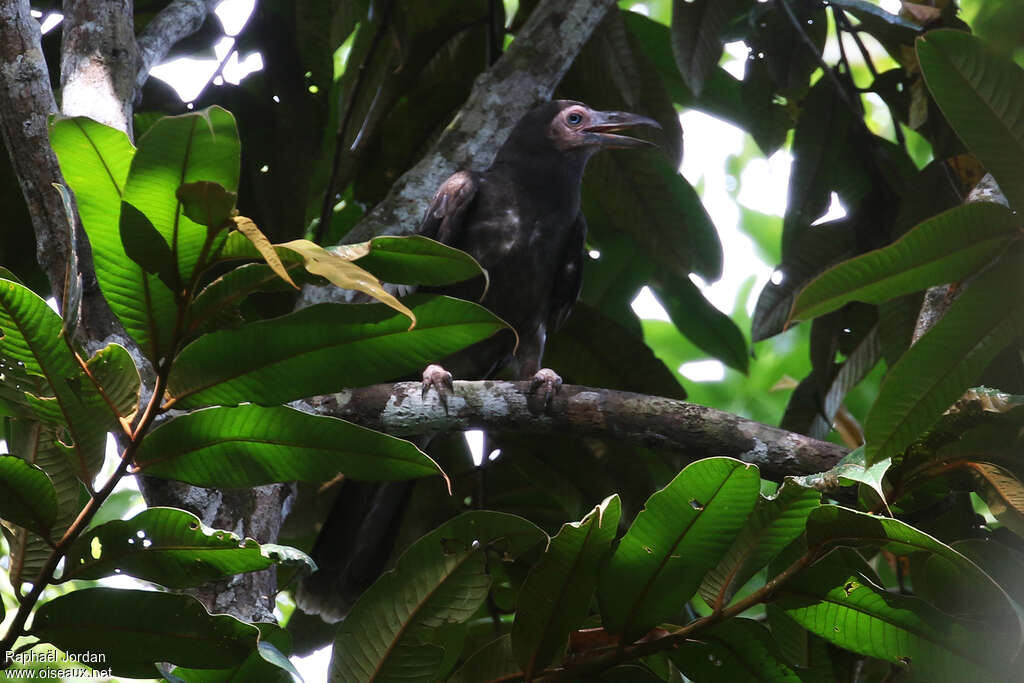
651	421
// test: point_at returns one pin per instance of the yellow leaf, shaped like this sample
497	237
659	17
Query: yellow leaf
263	245
344	274
352	252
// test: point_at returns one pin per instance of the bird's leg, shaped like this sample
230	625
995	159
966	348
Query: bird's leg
436	376
544	379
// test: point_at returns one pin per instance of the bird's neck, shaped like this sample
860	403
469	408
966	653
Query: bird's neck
544	173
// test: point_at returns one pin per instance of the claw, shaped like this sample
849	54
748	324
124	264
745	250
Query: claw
441	380
551	382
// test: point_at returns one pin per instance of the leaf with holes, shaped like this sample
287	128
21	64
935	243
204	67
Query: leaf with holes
31	341
442	578
683	531
852	612
166	546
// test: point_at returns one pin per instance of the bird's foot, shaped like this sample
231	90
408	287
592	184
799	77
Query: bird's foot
436	376
549	382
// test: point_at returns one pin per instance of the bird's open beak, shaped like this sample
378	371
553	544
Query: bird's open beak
604	125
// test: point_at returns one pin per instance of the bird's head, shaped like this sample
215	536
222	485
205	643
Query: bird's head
566	127
575	126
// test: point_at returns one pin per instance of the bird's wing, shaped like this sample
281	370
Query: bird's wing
446	214
569	279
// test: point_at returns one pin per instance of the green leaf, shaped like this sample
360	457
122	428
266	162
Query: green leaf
981	94
442	578
773	525
556	595
736	650
416	260
703	324
830	525
115	371
683	531
135	629
695	42
267	665
207	203
147	247
27	496
176	150
166	546
31	342
493	661
94	160
251	445
852	469
850	611
946	361
946	248
296	355
678	235
221	298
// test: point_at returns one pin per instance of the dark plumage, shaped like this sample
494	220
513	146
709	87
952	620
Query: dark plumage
521	220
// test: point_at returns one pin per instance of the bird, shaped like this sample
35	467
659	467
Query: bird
520	218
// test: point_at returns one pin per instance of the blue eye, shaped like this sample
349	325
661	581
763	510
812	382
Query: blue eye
573	119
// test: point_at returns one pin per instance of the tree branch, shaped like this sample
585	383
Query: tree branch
173	23
650	421
526	74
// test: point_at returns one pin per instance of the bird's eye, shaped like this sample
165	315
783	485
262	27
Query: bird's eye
574	118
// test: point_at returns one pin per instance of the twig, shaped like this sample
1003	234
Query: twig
806	40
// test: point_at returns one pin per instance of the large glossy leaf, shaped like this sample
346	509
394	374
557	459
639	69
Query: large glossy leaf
851	611
943	249
947	360
818	248
695	41
735	650
200	146
28	497
556	595
494	661
830	525
442	578
252	445
773	525
94	160
268	664
135	629
219	300
982	94
31	342
415	260
323	348
589	349
115	371
37	444
723	95
166	546
703	324
624	190
682	532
